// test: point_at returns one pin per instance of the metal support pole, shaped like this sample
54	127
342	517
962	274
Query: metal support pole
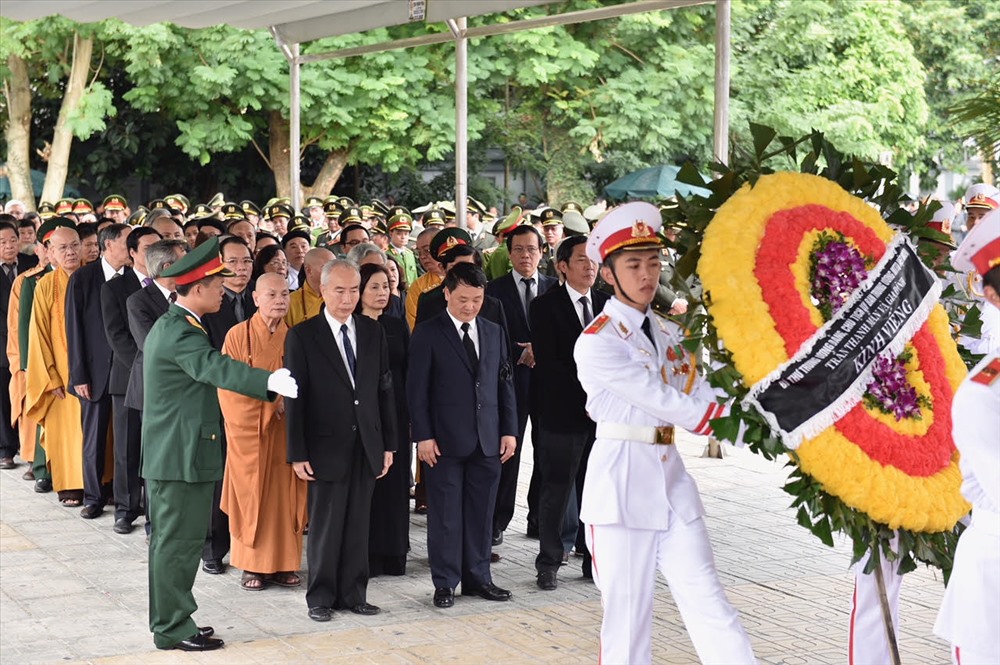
461	121
295	128
722	28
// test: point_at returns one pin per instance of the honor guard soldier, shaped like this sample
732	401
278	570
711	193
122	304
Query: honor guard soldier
970	612
979	200
641	509
400	224
181	440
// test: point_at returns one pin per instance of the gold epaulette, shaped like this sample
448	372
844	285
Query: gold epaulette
193	321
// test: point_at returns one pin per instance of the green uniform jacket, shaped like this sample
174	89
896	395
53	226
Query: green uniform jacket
497	261
24	314
181	422
409	261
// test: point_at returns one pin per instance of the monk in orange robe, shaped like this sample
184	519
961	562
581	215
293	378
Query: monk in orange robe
307	302
265	500
47	399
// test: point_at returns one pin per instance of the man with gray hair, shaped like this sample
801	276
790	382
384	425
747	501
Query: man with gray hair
15	208
341	437
366	252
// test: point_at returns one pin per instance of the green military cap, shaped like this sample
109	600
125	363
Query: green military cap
114	202
64	206
157	203
231	211
280	210
137	217
201	262
212	221
507	224
351	214
298	228
179	202
380	207
447	240
379	228
550	216
46	210
250	208
474	206
346	202
312	202
367	212
82	207
216	201
51	224
434	217
201	210
331	208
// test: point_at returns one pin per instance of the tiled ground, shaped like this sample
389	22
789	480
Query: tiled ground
73	591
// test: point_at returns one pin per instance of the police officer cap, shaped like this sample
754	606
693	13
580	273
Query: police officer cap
550	216
231	211
575	223
632	226
350	215
507	224
250	208
433	217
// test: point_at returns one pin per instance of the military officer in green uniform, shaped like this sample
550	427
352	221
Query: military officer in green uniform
496	261
400	224
181	436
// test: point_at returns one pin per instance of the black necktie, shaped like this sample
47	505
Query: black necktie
173	296
649	333
348	349
11	270
587	316
470	346
238	307
529	293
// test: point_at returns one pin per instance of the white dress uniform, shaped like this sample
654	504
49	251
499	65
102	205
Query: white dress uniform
641	509
867	639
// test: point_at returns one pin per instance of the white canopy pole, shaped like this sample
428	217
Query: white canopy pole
295	127
461	118
722	25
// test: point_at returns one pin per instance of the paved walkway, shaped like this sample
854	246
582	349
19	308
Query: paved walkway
71	590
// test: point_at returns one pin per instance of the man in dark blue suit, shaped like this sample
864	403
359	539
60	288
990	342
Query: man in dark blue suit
515	291
464	419
90	358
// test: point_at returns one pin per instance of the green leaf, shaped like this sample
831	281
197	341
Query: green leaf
762	137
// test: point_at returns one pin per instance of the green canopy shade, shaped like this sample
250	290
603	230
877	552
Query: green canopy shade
655	182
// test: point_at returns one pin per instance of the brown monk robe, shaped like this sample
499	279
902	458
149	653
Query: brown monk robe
47	399
265	500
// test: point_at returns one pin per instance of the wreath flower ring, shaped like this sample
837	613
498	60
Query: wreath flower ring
777	259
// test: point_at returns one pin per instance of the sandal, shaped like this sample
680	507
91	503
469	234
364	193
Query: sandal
71	503
286	579
252	581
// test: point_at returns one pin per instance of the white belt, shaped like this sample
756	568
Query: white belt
663	436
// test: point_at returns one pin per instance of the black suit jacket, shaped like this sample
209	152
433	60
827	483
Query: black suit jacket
560	401
217	324
90	354
505	289
431	303
459	406
24	262
329	417
114	296
144	307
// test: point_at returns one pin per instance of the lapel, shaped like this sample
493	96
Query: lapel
569	309
485	343
156	298
451	334
514	291
328	345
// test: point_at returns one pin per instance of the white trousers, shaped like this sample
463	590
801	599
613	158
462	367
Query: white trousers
960	656
867	641
624	565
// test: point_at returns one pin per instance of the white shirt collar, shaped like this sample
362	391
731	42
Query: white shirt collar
518	277
109	272
575	295
164	290
630	314
458	325
198	318
335	324
141	277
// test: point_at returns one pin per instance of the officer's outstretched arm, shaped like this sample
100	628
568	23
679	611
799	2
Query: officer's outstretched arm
199	360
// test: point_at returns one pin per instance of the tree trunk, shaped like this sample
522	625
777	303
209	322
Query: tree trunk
17	92
278	153
62	139
328	176
564	177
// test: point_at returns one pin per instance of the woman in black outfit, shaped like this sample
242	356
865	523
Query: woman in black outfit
389	533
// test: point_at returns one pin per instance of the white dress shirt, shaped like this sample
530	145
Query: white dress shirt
473	331
351	334
575	296
519	282
293	281
109	272
164	290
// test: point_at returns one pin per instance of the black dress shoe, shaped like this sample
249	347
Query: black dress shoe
122	525
43	485
547	580
198	643
206	631
367	609
28	475
7	463
90	512
488	592
320	613
444	597
213	566
498	537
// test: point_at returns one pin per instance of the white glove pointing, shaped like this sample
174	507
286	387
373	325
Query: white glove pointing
283	383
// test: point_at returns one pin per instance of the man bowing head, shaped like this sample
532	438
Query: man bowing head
341	437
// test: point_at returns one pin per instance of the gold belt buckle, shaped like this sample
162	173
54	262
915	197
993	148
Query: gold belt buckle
664	436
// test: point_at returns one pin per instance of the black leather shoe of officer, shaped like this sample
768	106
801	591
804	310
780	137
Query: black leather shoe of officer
122	525
444	597
547	580
43	485
214	567
90	512
366	609
488	592
498	537
198	643
206	631
320	613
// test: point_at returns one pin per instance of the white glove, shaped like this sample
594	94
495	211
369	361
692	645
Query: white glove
283	383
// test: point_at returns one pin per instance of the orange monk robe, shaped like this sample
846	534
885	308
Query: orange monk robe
424	283
48	369
303	304
265	500
26	426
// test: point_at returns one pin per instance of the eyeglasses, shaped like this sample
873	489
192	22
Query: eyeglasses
238	262
530	250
